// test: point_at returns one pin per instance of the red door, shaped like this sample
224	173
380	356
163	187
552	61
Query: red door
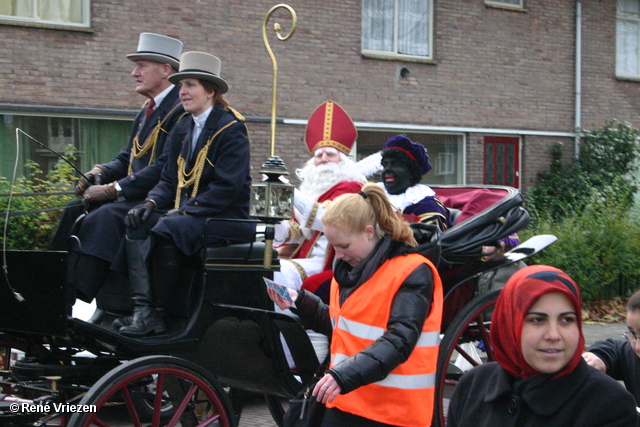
502	161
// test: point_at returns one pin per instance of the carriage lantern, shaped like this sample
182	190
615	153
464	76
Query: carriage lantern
272	199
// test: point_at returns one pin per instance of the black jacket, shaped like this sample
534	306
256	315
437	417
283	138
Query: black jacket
224	186
622	363
486	397
144	176
409	310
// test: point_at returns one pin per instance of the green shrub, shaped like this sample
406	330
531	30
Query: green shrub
587	204
35	231
600	252
601	176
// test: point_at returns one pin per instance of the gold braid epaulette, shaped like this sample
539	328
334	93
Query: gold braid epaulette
235	113
186	179
137	150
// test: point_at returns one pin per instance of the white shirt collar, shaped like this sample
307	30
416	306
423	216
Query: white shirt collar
202	118
160	97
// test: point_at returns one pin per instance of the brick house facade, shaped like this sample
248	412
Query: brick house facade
499	73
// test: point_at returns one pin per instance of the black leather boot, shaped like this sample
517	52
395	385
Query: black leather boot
166	264
146	319
87	274
122	321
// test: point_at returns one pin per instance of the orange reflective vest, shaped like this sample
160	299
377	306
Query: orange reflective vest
406	396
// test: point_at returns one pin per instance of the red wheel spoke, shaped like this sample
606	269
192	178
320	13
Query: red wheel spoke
157	401
97	421
466	355
209	420
183	405
131	407
177	383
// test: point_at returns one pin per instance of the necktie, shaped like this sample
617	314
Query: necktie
197	129
149	110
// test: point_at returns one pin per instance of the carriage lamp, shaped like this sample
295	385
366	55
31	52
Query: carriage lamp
272	199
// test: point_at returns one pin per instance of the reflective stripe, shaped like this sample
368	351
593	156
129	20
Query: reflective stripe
405	382
408	382
360	330
428	339
372	333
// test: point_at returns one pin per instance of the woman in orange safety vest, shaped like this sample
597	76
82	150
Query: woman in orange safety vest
384	317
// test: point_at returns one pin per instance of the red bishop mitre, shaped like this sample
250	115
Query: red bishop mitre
330	126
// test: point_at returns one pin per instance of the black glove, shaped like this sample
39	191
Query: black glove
94	176
139	214
100	193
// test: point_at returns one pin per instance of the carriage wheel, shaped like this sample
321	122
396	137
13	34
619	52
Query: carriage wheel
466	344
194	396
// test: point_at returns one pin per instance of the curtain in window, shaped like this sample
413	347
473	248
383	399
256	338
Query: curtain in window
60	10
413	27
377	25
628	37
22	8
101	140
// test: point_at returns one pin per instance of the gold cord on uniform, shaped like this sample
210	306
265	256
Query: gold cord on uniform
138	150
187	179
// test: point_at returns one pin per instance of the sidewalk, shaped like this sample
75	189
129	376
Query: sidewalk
256	414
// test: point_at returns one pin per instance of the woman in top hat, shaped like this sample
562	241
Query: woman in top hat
539	377
206	176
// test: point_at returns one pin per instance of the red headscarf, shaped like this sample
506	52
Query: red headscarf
522	290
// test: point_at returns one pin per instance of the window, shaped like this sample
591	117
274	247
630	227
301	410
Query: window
67	13
627	38
445	153
501	161
97	140
506	3
397	28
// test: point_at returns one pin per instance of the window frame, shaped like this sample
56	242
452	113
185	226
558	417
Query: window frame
635	19
504	4
36	22
381	54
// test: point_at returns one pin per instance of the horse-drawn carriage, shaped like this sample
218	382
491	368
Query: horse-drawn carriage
224	337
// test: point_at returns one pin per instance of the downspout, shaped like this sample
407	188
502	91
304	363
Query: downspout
578	100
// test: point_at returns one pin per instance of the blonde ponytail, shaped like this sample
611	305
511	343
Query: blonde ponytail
370	206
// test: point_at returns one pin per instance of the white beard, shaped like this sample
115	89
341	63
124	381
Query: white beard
316	180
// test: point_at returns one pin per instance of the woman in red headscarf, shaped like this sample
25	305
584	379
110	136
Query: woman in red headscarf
540	378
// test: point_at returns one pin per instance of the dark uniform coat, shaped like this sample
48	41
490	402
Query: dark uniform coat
224	186
488	396
102	231
622	363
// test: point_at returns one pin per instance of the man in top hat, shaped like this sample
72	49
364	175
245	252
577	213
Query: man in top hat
123	182
329	135
404	163
207	176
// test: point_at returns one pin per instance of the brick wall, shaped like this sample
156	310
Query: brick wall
492	68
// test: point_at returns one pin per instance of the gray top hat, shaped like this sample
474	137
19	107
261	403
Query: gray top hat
154	47
200	65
